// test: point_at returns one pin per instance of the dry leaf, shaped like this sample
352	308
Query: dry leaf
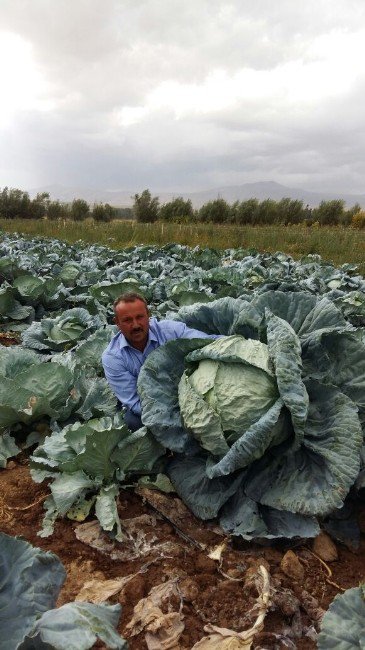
162	630
217	552
217	642
164	633
98	591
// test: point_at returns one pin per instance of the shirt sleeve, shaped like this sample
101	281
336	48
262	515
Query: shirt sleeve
178	329
123	384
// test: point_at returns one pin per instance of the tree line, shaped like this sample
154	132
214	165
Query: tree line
286	211
16	204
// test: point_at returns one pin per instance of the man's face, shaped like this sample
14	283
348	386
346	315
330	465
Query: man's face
132	318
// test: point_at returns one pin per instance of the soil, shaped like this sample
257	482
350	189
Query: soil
175	546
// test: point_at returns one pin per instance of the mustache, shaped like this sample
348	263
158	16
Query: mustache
137	330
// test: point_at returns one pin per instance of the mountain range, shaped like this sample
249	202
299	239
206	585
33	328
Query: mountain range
261	191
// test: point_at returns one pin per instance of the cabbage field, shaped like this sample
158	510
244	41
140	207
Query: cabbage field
258	434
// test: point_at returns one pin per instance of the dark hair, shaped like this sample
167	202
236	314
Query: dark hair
129	296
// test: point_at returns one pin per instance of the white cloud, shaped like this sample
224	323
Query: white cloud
183	93
23	86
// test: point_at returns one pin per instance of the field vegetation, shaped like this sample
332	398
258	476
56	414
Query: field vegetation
334	243
259	431
331	230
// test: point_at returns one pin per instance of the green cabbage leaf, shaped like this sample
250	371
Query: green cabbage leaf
31	580
342	625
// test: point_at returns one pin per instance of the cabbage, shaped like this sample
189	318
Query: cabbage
267	446
222	398
63	331
91	457
272	412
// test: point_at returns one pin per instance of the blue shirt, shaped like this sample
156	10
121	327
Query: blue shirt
122	362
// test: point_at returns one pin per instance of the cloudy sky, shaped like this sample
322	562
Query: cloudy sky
182	95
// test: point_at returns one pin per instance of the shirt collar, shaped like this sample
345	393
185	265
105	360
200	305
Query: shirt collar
123	343
152	336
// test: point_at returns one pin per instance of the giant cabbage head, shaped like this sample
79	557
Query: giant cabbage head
265	422
226	387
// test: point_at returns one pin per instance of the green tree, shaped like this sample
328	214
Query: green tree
290	210
14	204
39	206
57	211
102	213
355	209
216	211
267	212
145	207
346	218
244	211
79	210
329	213
178	210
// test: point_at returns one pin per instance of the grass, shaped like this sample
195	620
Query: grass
336	244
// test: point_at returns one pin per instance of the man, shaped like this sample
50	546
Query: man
139	335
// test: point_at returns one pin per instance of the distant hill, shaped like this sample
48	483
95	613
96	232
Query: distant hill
261	191
271	190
